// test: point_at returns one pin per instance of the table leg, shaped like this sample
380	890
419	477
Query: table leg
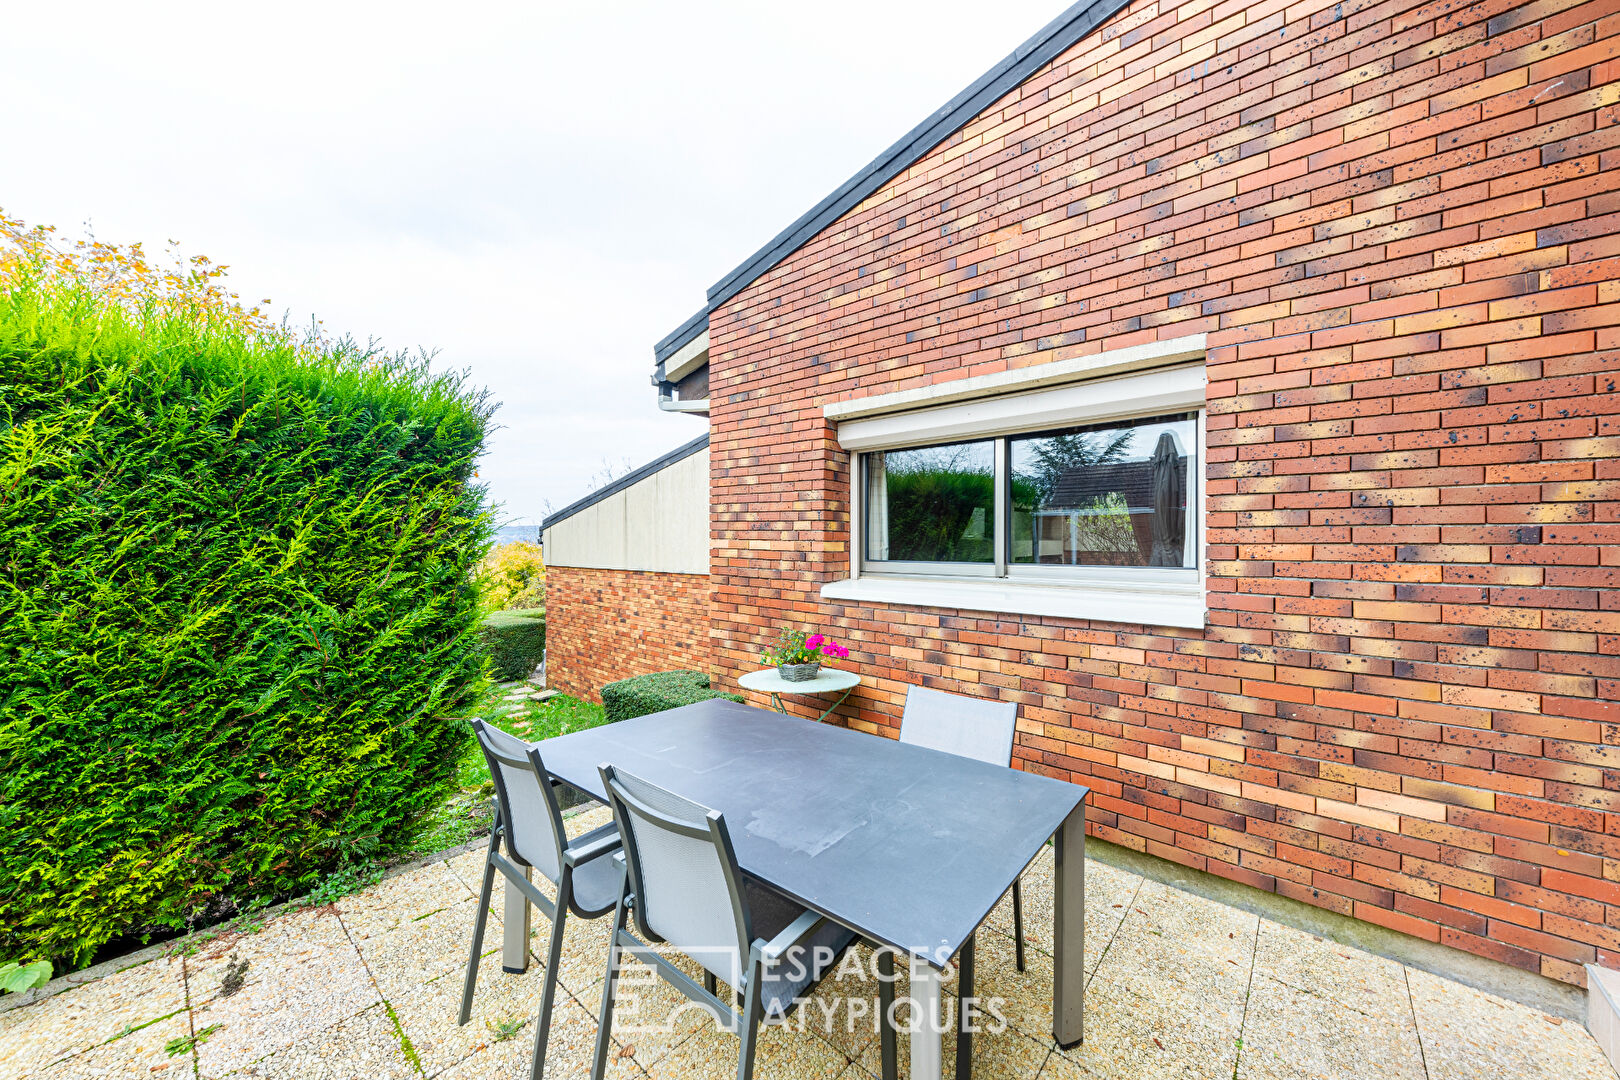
822	718
515	928
1069	930
776	703
927	1032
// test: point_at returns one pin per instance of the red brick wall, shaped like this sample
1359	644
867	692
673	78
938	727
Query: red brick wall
1397	223
603	625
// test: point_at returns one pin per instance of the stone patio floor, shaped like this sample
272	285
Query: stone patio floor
1178	986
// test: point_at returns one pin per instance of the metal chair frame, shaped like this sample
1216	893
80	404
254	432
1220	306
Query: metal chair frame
965	959
570	856
762	955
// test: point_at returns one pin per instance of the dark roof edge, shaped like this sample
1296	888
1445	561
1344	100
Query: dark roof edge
1056	36
627	480
682	334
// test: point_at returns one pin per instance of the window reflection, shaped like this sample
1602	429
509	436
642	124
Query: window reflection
1113	495
932	504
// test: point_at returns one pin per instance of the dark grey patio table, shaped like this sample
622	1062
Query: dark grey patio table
909	846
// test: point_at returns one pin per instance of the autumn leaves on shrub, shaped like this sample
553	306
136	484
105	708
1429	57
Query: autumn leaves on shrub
236	597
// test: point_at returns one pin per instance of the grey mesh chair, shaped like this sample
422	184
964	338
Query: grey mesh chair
680	878
530	827
970	728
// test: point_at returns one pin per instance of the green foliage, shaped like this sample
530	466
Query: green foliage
236	611
15	977
185	1044
506	1027
513	577
346	880
656	692
941	515
516	641
790	648
466	814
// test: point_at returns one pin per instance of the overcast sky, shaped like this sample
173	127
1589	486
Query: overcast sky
539	191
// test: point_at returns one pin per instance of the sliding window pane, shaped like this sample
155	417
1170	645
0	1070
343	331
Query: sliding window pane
1107	495
933	504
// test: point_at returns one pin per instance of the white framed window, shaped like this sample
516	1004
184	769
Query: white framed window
1084	501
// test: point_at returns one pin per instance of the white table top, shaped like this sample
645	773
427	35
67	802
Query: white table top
827	681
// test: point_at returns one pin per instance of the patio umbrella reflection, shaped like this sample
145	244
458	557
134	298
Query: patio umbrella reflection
1169	503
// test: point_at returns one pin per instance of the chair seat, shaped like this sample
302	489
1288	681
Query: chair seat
596	883
772	913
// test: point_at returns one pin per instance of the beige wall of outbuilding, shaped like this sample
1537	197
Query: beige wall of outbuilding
660	523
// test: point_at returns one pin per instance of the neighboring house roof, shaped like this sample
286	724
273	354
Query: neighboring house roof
627	480
1056	36
1078	488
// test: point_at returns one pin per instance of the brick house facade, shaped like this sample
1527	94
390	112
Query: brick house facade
1389	236
604	625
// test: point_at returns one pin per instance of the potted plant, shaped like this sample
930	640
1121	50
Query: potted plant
797	656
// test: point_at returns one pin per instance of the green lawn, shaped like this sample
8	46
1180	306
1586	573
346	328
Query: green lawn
466	815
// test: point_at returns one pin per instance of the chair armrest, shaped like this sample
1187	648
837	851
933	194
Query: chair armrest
771	951
593	845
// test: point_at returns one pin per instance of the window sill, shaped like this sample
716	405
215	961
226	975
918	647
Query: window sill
1129	603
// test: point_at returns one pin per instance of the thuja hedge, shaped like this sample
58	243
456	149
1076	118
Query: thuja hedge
235	613
516	641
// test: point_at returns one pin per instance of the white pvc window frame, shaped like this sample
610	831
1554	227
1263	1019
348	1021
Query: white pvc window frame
1170	596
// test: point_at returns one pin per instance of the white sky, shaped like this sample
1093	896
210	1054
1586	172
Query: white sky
540	191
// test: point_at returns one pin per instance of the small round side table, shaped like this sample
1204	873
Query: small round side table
827	681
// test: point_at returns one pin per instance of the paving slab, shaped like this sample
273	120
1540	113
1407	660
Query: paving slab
1468	1034
88	1016
1181	986
1293	1034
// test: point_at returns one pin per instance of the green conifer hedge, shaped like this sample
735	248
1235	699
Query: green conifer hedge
236	611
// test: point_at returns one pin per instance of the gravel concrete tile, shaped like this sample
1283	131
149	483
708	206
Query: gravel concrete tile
140	1053
1136	1031
428	1016
588	819
842	1009
402	899
569	1046
428	1013
1353	978
1194	922
1003	1054
365	1044
1109	892
1290	1034
304	975
1167	967
405	957
468	867
72	1022
650	1017
783	1051
1024	998
584	957
1468	1034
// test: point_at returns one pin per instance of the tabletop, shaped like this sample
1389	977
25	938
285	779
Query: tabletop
827	681
909	846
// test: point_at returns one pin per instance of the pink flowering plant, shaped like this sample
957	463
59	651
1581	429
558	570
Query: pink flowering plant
797	647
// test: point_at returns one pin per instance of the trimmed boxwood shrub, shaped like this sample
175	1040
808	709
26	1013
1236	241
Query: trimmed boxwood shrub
516	641
236	611
656	692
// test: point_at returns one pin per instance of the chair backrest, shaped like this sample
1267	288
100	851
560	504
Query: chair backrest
964	726
534	827
683	872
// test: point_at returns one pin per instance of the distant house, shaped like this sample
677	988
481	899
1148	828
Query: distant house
1358	642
